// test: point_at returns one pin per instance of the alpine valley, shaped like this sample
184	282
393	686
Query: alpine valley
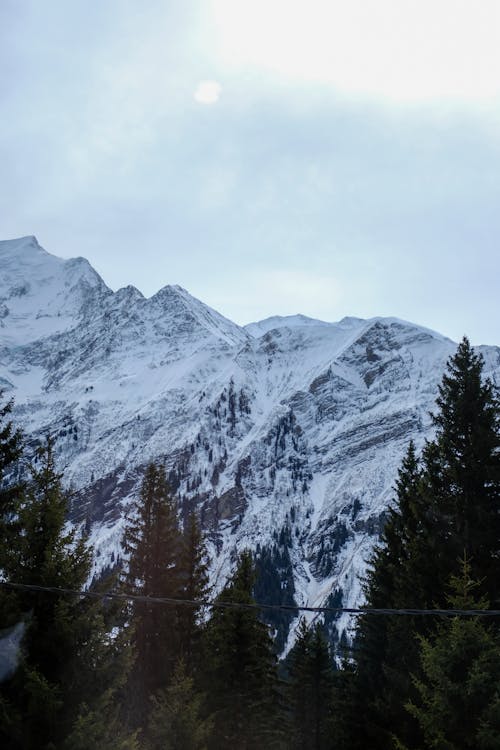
285	435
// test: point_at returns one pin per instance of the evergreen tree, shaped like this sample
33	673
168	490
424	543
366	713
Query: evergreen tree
345	716
10	452
177	721
446	504
70	665
195	587
240	671
153	542
385	646
310	690
463	472
458	705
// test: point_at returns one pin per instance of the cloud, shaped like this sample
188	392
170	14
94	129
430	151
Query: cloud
107	153
401	49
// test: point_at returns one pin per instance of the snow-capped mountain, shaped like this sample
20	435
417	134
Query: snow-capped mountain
285	435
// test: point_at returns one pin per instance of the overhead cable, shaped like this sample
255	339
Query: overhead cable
222	604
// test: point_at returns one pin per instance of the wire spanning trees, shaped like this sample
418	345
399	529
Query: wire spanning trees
164	561
310	690
61	694
447	506
240	671
458	693
152	541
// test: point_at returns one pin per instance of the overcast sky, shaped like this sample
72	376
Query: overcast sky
272	157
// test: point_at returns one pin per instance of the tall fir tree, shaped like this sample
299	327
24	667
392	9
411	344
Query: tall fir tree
71	667
177	719
447	505
385	648
195	587
463	471
310	690
10	452
458	704
153	542
240	670
11	444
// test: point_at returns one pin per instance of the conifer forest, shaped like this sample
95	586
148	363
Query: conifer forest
148	657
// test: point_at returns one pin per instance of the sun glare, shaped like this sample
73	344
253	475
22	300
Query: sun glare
208	92
404	49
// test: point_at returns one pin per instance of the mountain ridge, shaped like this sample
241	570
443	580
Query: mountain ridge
288	441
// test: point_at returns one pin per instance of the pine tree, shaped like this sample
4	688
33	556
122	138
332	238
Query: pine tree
10	453
463	471
70	665
310	690
447	504
384	645
240	671
177	721
459	690
154	545
345	707
195	587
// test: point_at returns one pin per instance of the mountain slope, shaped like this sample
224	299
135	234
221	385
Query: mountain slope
285	435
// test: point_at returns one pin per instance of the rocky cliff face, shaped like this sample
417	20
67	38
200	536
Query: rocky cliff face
285	436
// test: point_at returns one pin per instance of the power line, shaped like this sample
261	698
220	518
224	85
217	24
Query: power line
218	604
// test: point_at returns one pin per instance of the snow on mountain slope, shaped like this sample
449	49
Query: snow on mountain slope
41	294
279	321
285	436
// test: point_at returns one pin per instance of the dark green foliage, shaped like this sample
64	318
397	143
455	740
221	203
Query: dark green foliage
346	720
10	452
240	673
274	585
386	648
459	691
153	542
447	505
310	690
177	721
10	490
195	586
334	601
70	668
10	440
463	470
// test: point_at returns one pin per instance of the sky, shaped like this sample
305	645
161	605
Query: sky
272	157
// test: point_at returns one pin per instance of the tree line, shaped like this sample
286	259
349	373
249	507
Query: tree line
80	672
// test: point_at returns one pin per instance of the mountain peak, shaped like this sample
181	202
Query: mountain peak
23	248
290	428
177	298
261	327
40	293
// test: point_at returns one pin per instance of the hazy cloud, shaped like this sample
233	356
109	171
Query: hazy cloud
295	191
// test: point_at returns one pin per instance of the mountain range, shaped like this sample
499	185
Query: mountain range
284	435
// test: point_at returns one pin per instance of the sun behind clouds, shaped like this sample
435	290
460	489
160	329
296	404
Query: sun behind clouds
208	92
